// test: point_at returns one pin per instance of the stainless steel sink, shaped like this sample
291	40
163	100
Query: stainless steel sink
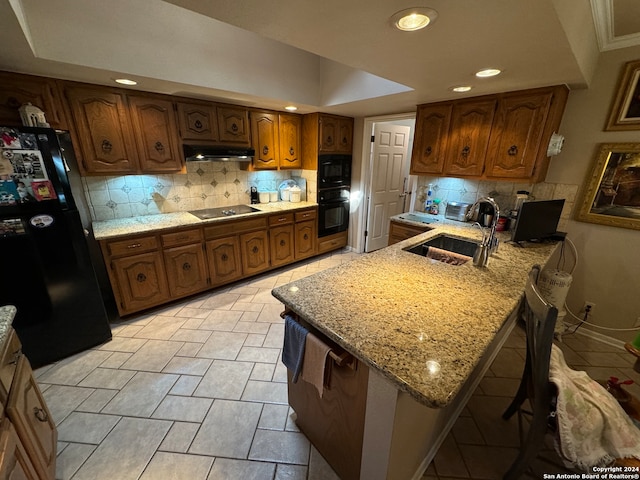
419	217
448	243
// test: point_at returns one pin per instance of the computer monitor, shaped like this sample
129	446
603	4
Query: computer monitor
537	220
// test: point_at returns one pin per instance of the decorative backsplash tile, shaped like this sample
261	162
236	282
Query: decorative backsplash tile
205	185
448	189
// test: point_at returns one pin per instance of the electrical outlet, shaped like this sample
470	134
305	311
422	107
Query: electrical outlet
637	324
588	306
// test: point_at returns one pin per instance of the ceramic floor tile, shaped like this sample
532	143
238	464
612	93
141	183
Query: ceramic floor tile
466	431
225	379
266	392
185	385
142	394
448	461
188	366
259	354
190	335
82	427
127	345
194	323
487	412
223	345
179	437
226	469
71	458
291	472
221	320
271	313
262	371
63	400
498	386
319	469
183	409
153	356
275	337
191	312
107	378
189	349
251	327
507	364
177	466
97	400
116	360
221	301
254	340
280	447
228	429
248	307
280	373
485	462
126	451
73	370
274	417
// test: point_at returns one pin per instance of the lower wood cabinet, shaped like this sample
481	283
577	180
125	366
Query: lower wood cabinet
282	243
332	242
254	252
28	435
401	231
142	281
223	258
186	269
306	234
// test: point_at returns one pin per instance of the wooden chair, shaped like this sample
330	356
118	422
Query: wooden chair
540	319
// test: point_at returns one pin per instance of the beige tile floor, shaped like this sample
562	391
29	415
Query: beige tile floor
196	391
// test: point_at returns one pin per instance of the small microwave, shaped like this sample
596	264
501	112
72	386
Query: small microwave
334	171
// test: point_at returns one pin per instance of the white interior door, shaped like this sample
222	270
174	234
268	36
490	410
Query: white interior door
389	181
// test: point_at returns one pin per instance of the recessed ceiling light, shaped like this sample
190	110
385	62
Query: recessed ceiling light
412	19
291	108
488	72
461	88
125	81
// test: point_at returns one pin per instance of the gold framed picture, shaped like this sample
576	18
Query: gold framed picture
625	111
613	194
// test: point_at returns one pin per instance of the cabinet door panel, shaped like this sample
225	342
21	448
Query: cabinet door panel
470	129
306	239
265	140
186	269
32	420
329	133
155	130
290	133
233	126
517	134
432	135
104	130
254	252
223	256
15	464
17	90
345	136
198	122
281	242
11	352
141	280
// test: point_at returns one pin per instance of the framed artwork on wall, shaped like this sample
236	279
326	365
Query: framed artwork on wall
625	111
612	196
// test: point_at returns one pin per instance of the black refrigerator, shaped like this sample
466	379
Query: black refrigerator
47	270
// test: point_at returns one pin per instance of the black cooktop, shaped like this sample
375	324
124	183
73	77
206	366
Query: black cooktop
208	213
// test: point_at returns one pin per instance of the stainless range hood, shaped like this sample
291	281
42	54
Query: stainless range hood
217	153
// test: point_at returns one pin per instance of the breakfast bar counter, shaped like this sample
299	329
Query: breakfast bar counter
426	330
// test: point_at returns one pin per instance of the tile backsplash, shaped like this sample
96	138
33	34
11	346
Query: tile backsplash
205	185
448	189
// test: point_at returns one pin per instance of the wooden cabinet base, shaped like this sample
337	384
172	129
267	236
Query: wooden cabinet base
332	242
15	464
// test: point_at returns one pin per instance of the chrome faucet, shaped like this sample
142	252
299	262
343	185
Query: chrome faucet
489	243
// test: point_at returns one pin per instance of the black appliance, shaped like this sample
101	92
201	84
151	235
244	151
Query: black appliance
333	211
537	220
217	152
334	171
254	195
46	260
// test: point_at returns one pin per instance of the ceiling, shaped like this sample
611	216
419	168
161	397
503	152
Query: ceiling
332	56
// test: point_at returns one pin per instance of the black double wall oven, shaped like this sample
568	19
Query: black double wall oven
334	189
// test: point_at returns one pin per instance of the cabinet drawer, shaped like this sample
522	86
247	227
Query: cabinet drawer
179	238
281	219
224	229
305	215
8	361
403	232
131	246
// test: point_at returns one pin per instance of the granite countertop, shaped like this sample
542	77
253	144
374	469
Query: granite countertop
153	223
421	323
7	313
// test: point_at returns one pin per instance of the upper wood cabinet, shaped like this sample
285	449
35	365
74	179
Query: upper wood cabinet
155	132
103	129
198	121
17	90
276	140
469	137
324	133
233	125
432	135
498	137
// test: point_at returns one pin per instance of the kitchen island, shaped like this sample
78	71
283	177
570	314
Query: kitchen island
425	332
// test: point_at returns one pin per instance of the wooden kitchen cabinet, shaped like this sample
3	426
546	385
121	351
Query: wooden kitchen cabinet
325	134
290	140
141	280
306	234
103	129
254	251
401	231
493	137
233	125
469	137
15	463
198	121
281	239
155	132
17	90
432	136
185	262
264	134
223	258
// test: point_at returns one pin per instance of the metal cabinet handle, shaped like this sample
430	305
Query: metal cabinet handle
141	277
224	257
265	150
428	151
40	414
186	266
330	140
306	236
465	151
282	243
255	249
159	147
234	128
513	150
282	219
291	151
16	356
134	245
198	124
345	141
106	146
